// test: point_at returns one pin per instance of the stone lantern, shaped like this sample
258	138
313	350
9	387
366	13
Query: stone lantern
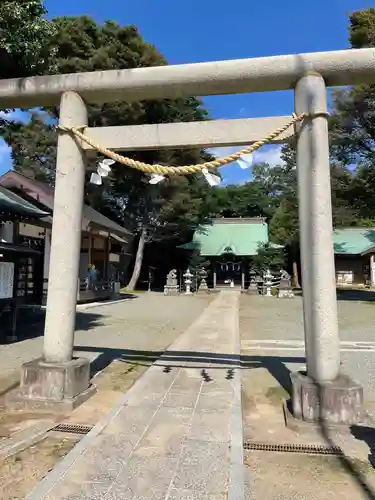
188	281
268	280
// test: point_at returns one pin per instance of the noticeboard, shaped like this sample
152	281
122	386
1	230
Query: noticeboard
6	280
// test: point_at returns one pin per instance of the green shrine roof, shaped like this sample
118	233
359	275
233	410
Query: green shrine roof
242	237
236	236
353	240
13	205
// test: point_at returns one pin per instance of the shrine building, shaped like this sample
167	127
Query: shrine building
229	244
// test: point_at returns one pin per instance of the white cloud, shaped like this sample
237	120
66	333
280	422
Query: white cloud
221	152
234	174
268	154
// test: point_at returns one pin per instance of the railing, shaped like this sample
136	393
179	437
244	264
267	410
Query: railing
97	290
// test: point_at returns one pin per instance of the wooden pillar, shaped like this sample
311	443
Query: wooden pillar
243	276
106	257
47	253
372	270
214	273
90	248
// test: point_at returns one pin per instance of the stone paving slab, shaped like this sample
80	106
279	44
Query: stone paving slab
177	434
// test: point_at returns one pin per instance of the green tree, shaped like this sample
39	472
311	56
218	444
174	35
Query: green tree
362	28
167	210
26	38
268	257
280	186
247	200
352	129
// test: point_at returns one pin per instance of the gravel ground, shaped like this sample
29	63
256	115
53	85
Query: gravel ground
282	320
279	476
272	318
104	332
272	343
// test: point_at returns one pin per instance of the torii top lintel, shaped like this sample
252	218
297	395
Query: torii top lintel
345	67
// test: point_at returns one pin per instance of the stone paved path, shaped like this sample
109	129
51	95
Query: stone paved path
177	434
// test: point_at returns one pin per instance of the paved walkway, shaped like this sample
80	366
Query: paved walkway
150	319
177	434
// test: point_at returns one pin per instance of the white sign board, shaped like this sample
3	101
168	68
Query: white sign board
114	257
6	280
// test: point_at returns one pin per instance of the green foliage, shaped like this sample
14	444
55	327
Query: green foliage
362	28
197	264
352	130
352	126
170	210
198	261
247	200
268	257
84	45
33	146
26	38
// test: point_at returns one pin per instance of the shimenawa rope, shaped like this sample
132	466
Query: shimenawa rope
180	170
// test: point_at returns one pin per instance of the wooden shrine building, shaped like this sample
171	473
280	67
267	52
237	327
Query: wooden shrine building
229	244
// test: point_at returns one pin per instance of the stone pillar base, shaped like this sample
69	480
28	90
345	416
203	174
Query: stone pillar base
171	290
286	293
52	386
336	402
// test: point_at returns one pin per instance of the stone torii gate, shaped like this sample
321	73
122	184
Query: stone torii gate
58	379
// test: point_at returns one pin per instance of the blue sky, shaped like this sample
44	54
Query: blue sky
207	30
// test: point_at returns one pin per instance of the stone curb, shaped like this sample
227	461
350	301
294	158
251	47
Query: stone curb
21	440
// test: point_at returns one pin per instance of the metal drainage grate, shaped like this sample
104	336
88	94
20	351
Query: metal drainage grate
73	428
294	448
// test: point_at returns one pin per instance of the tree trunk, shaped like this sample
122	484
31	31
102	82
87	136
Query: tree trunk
138	261
295	277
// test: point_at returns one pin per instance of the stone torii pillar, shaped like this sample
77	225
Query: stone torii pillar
57	380
66	235
323	392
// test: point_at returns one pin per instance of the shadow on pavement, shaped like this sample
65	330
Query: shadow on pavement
31	324
348	465
206	361
124	297
366	434
360	295
277	368
209	362
356	295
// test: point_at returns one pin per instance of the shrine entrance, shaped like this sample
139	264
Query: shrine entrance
308	75
229	271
